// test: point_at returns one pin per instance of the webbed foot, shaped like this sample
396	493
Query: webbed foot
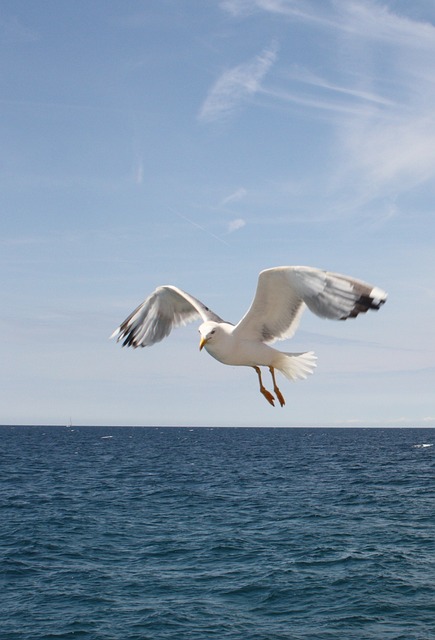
269	397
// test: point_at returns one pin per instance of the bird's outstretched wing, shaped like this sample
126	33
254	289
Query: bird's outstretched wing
283	292
167	307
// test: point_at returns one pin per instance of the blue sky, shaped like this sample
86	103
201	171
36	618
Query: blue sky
195	143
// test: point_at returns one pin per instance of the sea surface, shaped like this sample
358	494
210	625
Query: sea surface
238	534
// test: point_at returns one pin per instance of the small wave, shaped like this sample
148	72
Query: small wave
424	445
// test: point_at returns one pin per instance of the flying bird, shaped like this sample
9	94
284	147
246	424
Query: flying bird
282	295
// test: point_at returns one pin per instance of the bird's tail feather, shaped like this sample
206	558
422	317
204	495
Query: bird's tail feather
295	366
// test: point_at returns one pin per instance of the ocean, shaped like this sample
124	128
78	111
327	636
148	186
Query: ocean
221	533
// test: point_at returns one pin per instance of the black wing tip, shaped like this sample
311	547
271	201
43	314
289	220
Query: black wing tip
370	302
127	338
367	302
130	341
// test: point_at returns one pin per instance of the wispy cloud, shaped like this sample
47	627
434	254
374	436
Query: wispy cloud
237	7
390	147
236	85
362	18
236	196
377	96
301	10
139	173
236	224
371	20
308	78
198	226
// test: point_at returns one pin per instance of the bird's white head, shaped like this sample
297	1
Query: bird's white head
208	332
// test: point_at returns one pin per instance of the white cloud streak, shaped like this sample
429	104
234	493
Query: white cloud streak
139	173
198	226
236	224
236	196
390	148
236	85
378	100
362	18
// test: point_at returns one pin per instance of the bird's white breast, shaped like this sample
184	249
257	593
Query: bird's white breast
230	349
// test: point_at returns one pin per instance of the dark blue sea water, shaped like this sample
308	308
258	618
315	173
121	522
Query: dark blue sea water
241	534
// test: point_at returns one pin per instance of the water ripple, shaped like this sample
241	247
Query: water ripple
238	534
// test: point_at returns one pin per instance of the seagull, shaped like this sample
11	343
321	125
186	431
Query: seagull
282	295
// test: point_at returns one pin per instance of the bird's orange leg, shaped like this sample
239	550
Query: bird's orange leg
275	387
269	397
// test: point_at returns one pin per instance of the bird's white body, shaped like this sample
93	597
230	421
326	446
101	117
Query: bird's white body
281	297
221	342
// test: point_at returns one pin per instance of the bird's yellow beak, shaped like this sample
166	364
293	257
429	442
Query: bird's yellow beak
202	342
